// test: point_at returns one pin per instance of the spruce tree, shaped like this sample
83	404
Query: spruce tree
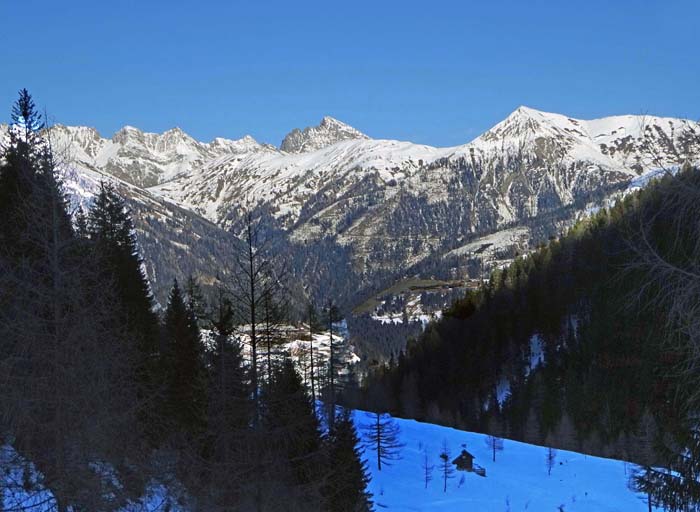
347	480
332	315
111	229
66	396
185	400
291	426
229	412
195	300
111	233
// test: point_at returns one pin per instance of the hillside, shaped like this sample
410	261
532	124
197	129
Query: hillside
517	481
379	210
569	345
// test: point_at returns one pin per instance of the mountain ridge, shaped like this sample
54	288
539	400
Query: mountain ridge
388	206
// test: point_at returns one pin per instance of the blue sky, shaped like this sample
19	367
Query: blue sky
433	72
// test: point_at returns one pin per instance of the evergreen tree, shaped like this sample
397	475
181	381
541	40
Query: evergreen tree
332	316
185	401
291	426
229	412
66	396
195	300
111	229
113	245
347	480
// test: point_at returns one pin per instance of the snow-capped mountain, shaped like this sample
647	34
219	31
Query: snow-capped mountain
328	132
377	208
140	158
395	201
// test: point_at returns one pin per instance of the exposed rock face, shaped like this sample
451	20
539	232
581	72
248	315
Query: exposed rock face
358	207
328	132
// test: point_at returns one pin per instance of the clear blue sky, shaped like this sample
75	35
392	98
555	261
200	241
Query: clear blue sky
433	72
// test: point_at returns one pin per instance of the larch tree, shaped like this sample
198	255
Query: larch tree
493	441
550	459
446	469
427	469
255	280
382	437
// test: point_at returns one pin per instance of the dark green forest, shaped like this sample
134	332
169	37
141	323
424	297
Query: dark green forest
586	344
589	343
102	395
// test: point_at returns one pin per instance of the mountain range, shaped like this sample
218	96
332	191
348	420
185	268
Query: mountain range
356	213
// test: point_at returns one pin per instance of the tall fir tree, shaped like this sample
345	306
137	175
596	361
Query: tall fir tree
183	360
66	393
110	231
294	430
347	479
229	412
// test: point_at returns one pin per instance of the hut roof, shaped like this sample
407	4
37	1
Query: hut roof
463	456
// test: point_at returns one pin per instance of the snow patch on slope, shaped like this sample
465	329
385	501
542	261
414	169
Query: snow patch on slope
517	481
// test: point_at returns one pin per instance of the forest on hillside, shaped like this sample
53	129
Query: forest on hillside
103	399
588	344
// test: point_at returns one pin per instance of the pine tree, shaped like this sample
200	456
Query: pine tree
66	396
185	401
229	411
290	425
114	247
347	480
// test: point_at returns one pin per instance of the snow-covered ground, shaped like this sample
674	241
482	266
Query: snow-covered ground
517	481
414	312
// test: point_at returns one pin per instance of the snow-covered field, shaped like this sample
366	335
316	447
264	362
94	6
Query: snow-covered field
517	481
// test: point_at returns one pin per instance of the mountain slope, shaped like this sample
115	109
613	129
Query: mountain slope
390	208
328	132
517	481
396	203
140	158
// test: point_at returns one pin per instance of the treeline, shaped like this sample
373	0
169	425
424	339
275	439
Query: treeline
102	399
587	344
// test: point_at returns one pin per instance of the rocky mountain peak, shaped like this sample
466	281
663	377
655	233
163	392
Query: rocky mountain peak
328	132
127	133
